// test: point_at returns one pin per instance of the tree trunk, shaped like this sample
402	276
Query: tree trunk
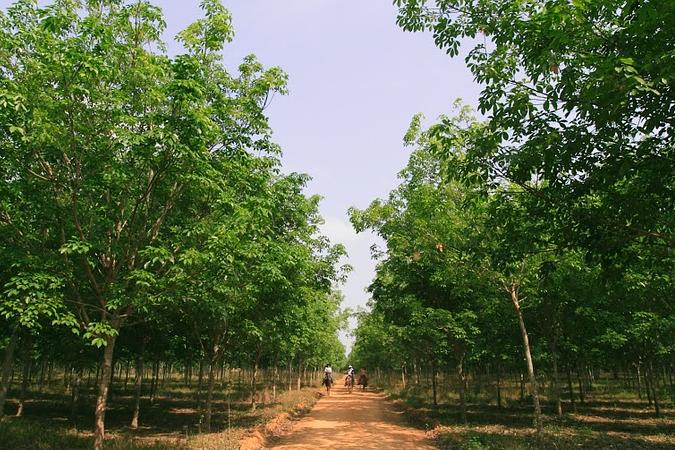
299	380
103	385
200	384
556	377
433	383
154	382
274	384
209	394
460	354
254	381
651	383
7	366
499	387
138	387
25	374
530	365
75	397
571	388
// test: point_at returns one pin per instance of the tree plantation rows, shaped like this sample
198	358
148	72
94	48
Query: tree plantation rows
147	232
535	243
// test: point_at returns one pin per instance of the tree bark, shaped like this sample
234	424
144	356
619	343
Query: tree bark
433	383
138	387
155	382
103	385
651	384
209	396
213	364
556	377
571	389
7	366
528	359
25	373
254	386
75	397
460	354
499	387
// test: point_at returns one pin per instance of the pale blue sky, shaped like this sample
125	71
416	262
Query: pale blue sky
356	80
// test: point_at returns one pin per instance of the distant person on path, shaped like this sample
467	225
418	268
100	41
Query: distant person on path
363	378
350	373
328	374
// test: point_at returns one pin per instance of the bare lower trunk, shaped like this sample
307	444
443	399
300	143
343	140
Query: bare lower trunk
25	373
582	397
103	386
155	382
254	387
7	366
138	386
499	387
571	389
200	384
274	384
556	377
530	365
75	398
433	384
209	395
460	353
652	384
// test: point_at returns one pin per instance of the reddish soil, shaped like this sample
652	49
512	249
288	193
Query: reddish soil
363	420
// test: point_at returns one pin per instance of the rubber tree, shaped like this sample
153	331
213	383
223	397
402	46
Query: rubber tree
121	137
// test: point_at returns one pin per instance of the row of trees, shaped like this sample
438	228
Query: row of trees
548	226
142	207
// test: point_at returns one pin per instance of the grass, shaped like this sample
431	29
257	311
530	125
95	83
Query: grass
610	418
173	422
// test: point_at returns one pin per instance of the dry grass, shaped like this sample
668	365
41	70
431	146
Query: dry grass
609	419
173	422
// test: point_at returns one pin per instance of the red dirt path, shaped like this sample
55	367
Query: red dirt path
363	420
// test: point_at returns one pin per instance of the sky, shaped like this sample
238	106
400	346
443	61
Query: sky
355	81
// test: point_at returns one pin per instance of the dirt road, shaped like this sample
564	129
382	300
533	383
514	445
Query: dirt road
362	420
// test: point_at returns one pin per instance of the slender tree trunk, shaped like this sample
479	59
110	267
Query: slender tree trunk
582	396
274	383
101	401
25	374
75	397
155	381
571	389
556	377
7	366
254	387
433	383
209	394
460	354
639	380
499	387
652	384
126	375
298	380
200	384
530	365
138	387
403	376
